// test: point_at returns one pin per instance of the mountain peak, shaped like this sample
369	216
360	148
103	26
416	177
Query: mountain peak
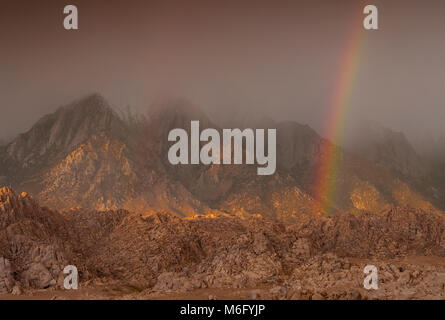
10	200
178	109
95	97
57	133
92	103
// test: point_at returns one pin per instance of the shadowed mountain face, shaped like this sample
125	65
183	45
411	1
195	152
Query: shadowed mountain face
85	155
420	167
58	134
388	149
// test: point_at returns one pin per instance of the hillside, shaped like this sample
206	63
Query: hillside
160	254
86	155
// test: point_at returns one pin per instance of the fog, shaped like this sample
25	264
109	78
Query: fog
282	59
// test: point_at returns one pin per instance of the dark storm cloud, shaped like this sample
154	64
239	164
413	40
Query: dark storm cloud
278	57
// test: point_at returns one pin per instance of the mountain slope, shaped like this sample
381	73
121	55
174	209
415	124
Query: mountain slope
56	135
85	155
386	148
392	150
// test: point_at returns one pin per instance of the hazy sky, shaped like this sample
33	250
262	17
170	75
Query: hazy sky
282	58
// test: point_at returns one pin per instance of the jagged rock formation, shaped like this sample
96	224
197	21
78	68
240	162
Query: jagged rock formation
59	133
6	277
165	228
160	253
32	252
328	277
223	248
85	155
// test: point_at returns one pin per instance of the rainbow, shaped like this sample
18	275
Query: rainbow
329	166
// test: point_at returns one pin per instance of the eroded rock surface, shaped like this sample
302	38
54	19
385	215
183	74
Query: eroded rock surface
160	253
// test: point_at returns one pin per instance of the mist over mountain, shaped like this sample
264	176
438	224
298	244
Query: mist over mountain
96	190
386	148
85	179
429	145
265	61
87	155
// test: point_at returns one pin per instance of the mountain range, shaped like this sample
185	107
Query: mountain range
86	155
92	187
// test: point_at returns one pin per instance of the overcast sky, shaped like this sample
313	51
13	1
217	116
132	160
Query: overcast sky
281	58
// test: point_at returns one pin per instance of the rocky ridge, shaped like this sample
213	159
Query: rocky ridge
86	155
161	253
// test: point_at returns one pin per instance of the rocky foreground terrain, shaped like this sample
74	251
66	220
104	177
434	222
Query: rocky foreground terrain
122	255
